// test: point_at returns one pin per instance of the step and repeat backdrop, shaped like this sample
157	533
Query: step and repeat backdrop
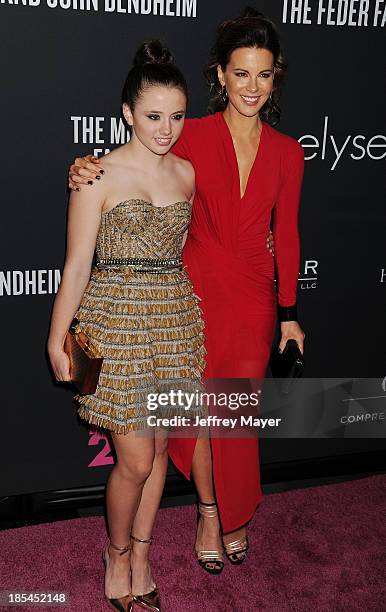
63	66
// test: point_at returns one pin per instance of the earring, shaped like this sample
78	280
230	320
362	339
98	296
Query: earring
224	94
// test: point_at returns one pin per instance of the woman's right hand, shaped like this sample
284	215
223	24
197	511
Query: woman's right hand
60	364
84	171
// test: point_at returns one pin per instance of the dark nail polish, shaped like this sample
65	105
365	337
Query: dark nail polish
98	178
102	171
89	183
77	189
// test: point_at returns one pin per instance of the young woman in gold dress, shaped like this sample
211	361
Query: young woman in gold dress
138	308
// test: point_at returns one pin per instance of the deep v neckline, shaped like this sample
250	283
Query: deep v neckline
235	161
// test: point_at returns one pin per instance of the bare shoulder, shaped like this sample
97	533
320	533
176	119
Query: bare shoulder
115	165
90	198
99	190
183	167
111	160
184	172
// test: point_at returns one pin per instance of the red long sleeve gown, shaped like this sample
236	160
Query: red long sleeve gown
233	273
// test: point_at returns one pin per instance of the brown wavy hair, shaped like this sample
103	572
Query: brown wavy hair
250	29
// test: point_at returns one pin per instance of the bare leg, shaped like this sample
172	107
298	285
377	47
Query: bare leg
208	530
123	494
142	578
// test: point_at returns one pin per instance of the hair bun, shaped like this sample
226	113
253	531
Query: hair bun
153	52
249	12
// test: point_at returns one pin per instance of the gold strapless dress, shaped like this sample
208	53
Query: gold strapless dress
147	325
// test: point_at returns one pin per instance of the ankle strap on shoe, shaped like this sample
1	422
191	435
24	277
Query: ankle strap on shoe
122	550
207	510
149	541
237	545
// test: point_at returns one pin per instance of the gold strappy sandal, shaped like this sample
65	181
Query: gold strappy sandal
151	600
124	603
236	551
209	557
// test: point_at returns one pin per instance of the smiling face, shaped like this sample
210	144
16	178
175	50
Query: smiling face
158	117
248	78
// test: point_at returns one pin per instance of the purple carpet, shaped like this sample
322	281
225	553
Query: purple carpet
318	549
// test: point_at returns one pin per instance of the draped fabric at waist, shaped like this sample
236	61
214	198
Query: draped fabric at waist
249	249
250	236
223	276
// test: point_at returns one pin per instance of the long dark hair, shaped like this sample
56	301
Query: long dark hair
153	64
250	29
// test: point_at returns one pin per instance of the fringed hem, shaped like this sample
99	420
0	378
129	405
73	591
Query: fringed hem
138	403
137	423
105	422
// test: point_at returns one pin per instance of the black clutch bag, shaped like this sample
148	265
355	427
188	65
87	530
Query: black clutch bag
287	365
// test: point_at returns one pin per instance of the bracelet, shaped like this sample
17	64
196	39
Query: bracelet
287	313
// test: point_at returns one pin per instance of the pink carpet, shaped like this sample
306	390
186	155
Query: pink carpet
319	549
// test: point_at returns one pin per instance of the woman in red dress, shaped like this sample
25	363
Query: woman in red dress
245	171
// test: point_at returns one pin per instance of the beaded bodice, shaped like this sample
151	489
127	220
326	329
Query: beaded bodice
137	228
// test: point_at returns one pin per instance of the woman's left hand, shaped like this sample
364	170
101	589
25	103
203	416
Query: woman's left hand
291	329
60	364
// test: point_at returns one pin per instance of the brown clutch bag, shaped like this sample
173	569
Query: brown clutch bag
85	361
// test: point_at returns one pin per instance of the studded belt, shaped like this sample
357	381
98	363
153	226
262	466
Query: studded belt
141	264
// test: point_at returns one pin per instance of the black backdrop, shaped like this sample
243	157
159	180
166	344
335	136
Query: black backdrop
63	66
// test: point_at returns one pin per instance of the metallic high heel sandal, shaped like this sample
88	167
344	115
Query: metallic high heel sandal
236	551
209	557
151	600
120	604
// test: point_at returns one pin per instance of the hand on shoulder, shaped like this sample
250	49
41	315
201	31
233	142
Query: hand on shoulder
88	170
92	195
84	171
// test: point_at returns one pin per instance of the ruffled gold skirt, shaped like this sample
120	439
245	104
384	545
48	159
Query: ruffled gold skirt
149	329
